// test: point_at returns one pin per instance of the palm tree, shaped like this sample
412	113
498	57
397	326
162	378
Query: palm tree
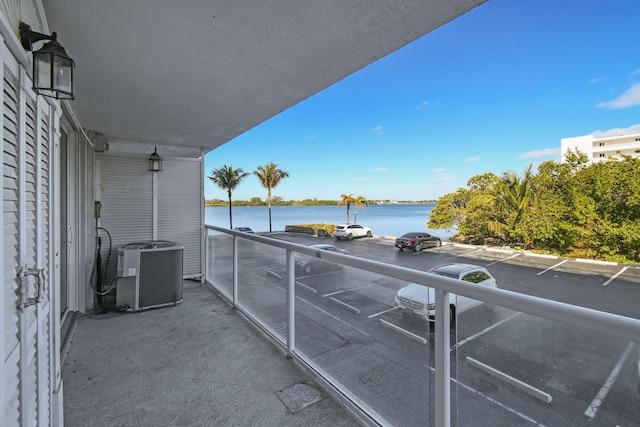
228	178
518	192
270	176
347	199
360	203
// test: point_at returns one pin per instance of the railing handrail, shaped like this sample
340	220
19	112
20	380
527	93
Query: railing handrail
609	323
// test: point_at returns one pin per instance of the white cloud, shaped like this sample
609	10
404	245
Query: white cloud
426	104
629	98
362	179
312	136
380	170
547	152
379	130
617	131
472	159
441	177
596	80
441	180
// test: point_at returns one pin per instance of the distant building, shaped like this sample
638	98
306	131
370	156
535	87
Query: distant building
603	148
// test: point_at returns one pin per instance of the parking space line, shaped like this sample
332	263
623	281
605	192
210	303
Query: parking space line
309	288
552	267
404	332
495	402
348	290
484	331
469	253
382	312
615	276
597	401
527	388
273	273
502	260
344	304
334	317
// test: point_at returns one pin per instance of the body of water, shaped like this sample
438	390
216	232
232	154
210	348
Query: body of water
384	220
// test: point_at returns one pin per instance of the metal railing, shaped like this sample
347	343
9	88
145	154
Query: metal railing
607	323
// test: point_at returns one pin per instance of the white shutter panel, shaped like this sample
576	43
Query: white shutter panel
127	205
11	248
180	201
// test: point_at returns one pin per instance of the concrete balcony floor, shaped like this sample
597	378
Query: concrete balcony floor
199	363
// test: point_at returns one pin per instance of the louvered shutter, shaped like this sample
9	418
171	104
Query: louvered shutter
180	201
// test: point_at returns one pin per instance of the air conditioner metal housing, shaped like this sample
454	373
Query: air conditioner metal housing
149	275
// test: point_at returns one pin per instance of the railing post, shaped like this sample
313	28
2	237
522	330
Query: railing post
291	308
443	367
235	271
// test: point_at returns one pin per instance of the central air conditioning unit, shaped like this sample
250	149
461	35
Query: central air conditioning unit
149	275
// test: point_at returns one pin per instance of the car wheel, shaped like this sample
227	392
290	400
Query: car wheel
417	247
438	243
337	238
400	249
369	234
350	236
307	269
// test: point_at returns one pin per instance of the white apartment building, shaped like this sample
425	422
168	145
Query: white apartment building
598	149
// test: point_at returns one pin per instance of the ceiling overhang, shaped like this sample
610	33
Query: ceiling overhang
199	73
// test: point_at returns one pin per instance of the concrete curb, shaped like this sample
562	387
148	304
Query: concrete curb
595	261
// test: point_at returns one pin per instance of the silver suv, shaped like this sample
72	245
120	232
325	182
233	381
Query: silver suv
349	231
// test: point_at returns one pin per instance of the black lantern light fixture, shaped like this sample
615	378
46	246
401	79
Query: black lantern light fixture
155	161
52	67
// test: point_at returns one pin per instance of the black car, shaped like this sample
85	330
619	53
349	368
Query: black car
245	229
417	240
308	264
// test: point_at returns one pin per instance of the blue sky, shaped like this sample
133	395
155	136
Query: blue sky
492	91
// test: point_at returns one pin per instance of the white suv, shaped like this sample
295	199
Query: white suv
349	231
420	300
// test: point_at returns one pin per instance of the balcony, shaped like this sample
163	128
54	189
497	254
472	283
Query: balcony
512	359
198	363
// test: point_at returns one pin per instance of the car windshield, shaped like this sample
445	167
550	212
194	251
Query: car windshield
445	274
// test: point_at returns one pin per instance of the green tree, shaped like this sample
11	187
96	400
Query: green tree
470	210
360	203
255	201
270	176
576	159
612	191
348	200
515	197
227	178
551	221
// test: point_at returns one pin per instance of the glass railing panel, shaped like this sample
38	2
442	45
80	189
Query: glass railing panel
513	368
219	261
348	328
262	290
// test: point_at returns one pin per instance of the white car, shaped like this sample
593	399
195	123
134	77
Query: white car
351	231
420	300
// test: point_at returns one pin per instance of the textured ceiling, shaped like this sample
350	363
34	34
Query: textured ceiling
198	73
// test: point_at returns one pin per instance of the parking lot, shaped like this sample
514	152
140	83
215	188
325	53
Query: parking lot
522	369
